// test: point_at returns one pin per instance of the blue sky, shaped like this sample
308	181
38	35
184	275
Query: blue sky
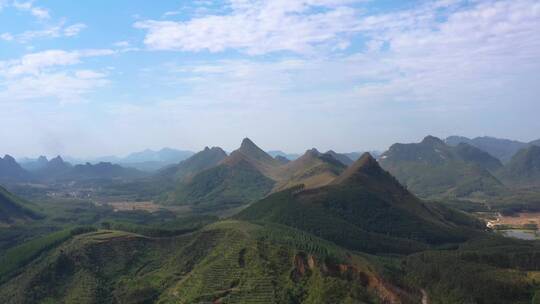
88	78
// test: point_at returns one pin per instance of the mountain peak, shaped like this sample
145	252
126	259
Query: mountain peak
432	140
366	170
313	152
366	160
246	142
9	158
251	150
57	159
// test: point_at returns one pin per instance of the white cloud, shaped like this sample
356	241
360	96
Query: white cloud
38	12
122	44
36	63
48	28
6	37
62	86
73	30
440	54
54	31
256	27
47	75
476	54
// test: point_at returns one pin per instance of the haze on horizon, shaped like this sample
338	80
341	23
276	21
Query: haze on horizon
348	75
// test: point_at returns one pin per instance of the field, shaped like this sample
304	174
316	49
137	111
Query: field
527	220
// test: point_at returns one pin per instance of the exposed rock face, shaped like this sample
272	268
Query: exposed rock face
304	264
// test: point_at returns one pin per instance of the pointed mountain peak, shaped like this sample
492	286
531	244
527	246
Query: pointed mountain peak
251	150
366	161
313	152
247	143
42	159
432	140
57	159
206	148
9	158
365	170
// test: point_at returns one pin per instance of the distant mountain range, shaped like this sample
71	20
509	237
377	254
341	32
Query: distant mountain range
210	178
10	170
299	245
433	168
289	156
147	160
503	149
455	167
57	169
523	169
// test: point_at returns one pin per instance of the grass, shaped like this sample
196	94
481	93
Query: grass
19	256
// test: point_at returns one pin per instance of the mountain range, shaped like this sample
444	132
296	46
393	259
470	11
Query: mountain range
248	174
364	209
147	160
433	168
10	170
503	149
523	169
57	169
362	238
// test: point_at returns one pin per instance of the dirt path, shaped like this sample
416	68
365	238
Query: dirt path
425	299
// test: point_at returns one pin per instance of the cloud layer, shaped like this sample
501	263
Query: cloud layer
48	74
342	74
257	27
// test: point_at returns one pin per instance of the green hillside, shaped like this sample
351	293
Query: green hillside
476	156
313	169
227	262
264	262
14	209
503	149
257	157
202	160
344	159
226	185
523	170
364	209
246	175
433	169
363	238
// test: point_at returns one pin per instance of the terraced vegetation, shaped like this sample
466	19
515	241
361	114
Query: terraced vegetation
358	236
228	262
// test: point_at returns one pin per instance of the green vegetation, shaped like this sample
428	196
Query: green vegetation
162	229
19	256
523	170
222	186
365	210
312	170
228	262
360	238
13	208
201	161
431	169
486	270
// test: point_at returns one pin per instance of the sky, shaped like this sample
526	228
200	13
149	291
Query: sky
90	78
